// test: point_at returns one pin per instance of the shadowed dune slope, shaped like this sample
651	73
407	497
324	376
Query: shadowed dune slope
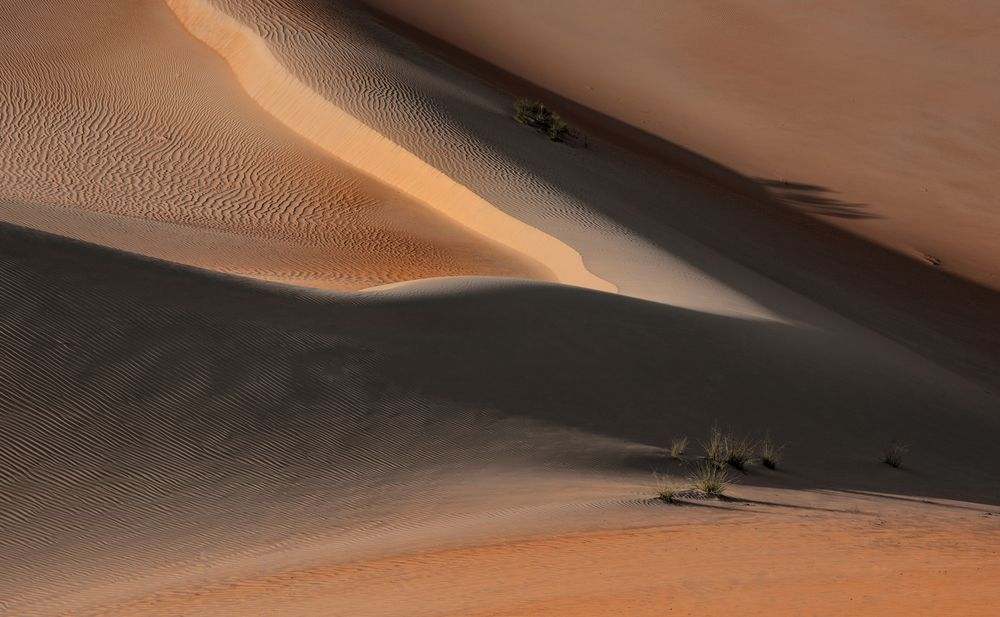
878	117
162	425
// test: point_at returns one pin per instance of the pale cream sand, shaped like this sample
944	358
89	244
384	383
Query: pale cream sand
181	442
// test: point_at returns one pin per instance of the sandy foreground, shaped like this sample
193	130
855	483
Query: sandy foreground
296	320
177	442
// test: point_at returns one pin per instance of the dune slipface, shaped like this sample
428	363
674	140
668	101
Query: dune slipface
442	410
178	443
878	117
330	127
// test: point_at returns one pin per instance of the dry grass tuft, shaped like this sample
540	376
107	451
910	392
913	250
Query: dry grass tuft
667	491
770	452
715	447
711	479
726	449
893	455
678	447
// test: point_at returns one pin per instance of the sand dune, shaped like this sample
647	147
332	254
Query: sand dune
330	127
131	119
878	117
154	457
441	410
654	232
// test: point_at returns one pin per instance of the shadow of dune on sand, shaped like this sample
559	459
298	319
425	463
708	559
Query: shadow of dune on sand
815	199
129	333
160	413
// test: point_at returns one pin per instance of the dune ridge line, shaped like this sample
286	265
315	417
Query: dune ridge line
330	127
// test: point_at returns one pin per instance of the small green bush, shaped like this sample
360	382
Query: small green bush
539	116
527	112
557	129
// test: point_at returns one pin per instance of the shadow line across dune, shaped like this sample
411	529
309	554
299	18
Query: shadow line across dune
328	126
154	414
928	309
605	364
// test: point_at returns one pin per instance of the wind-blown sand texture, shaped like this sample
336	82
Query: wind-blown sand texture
883	117
489	338
149	133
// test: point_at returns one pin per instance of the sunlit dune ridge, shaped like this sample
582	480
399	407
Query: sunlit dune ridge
441	410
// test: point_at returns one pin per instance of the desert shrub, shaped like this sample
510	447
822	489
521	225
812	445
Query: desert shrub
893	454
770	452
711	479
557	129
678	447
727	449
739	451
669	494
530	112
715	447
542	118
666	490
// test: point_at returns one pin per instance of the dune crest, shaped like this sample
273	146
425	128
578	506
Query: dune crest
422	419
877	118
330	127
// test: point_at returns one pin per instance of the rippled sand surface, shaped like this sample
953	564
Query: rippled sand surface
124	129
182	443
460	399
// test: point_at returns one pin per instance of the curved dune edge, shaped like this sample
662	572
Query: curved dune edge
328	126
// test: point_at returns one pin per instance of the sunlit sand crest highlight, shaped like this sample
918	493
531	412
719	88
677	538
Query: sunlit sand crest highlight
330	127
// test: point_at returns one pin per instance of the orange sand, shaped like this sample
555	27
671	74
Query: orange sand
756	567
429	431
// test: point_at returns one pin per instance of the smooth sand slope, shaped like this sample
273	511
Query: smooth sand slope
180	443
175	441
881	117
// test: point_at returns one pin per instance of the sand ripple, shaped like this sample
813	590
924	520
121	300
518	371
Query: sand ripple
128	117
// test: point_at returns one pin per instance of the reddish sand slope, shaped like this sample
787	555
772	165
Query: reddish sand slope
760	567
883	117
